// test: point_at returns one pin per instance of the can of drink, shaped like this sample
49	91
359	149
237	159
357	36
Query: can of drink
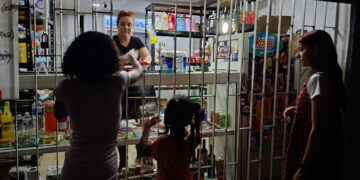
222	119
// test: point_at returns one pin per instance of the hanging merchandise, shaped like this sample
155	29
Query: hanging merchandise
252	15
157	22
180	23
164	21
171	21
152	34
212	24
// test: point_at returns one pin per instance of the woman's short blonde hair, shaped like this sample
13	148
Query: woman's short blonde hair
123	13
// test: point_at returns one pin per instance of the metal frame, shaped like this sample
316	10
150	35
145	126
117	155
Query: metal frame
39	81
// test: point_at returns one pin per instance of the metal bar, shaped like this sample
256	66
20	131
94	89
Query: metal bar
252	93
263	88
92	14
202	72
127	132
315	8
336	24
189	55
326	5
303	19
215	79
228	84
16	142
203	55
75	23
288	74
111	15
78	17
202	77
275	90
36	96
174	59
239	118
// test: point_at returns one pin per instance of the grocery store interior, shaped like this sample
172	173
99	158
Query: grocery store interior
202	49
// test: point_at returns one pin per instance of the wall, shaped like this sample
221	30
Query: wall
324	16
9	50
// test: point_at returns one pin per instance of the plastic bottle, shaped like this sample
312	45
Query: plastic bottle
157	22
252	15
19	122
164	21
40	114
171	21
28	124
247	16
50	120
212	18
241	13
7	124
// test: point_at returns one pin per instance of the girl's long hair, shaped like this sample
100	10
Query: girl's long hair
179	113
326	60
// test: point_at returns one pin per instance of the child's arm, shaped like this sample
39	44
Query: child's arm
137	71
143	147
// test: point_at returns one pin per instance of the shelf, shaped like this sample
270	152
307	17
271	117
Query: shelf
183	8
179	33
27	81
39	17
11	152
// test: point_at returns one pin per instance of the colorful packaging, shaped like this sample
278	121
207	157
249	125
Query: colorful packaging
180	23
171	21
167	61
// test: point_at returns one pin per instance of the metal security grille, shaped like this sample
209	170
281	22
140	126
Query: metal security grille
245	144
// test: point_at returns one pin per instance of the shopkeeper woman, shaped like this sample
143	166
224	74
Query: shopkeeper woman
129	44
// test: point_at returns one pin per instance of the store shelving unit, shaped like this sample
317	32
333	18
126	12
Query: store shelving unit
51	148
26	14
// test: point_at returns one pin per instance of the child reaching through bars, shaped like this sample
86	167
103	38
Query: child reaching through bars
173	151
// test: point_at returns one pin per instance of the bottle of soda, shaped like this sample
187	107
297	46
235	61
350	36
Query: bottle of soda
50	120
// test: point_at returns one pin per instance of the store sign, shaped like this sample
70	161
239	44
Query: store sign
139	24
260	44
107	21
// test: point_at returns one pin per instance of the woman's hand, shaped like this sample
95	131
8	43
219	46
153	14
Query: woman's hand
289	113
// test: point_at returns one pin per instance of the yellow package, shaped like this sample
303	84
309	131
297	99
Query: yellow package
22	53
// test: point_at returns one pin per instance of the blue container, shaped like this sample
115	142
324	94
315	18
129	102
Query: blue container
180	23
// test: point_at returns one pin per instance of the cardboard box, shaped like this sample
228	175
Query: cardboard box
273	26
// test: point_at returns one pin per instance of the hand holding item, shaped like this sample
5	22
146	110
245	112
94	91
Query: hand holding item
151	122
289	113
134	52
